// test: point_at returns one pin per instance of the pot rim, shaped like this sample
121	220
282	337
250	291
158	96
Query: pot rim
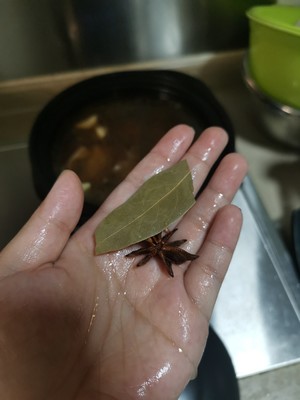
271	17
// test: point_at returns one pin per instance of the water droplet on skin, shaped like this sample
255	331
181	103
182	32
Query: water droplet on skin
33	252
189	244
115	264
208	281
202	224
220	256
219	197
94	314
194	172
154	379
184	323
158	169
175	145
121	293
218	200
206	155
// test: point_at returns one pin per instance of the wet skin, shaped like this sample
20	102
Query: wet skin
84	327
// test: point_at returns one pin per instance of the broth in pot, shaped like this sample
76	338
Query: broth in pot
104	141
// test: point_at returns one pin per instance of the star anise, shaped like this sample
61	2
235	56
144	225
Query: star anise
169	252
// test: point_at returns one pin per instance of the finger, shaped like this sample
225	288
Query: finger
219	192
44	236
204	153
205	275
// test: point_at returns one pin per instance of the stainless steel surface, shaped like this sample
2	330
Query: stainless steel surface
18	199
258	309
257	312
280	121
33	39
45	36
296	237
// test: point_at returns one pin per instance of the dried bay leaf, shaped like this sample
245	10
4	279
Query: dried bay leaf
151	209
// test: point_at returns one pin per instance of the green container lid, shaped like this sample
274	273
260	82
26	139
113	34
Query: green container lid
283	18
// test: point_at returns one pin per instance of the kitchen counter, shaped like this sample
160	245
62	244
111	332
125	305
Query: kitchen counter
278	384
273	167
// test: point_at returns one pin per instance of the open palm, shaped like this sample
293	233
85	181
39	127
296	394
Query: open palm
78	326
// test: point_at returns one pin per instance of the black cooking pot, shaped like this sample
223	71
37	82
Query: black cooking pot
119	115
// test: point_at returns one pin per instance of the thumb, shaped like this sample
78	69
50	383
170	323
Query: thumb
45	235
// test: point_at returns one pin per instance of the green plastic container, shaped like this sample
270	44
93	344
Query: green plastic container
274	51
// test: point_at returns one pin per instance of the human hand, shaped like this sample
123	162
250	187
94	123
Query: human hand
83	327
